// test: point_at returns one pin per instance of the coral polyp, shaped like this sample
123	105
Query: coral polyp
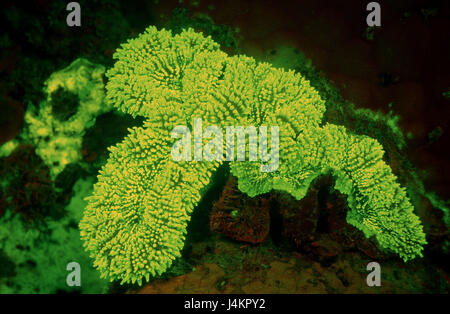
135	221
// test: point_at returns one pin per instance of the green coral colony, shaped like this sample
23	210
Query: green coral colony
135	221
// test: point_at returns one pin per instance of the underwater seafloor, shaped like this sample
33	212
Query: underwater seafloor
391	83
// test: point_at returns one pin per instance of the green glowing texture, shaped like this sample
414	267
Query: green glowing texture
7	148
39	259
135	221
74	100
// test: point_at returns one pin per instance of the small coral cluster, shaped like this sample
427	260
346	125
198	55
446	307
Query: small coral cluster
135	222
74	98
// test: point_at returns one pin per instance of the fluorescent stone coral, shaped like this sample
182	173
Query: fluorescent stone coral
135	221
